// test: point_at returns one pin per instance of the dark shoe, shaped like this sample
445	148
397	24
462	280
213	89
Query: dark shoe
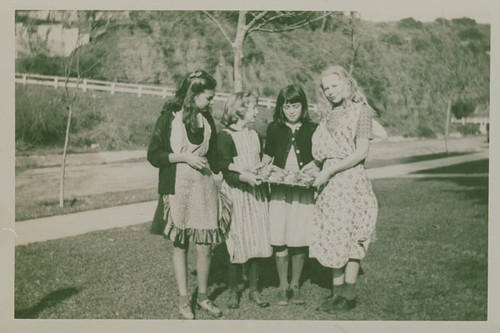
234	300
343	304
186	312
296	296
283	297
327	303
255	298
210	308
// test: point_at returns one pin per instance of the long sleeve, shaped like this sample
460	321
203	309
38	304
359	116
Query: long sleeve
212	154
158	154
269	148
226	151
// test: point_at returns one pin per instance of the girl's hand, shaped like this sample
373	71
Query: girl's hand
195	162
250	179
310	169
322	178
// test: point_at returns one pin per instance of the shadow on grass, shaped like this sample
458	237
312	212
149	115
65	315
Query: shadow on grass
48	301
412	159
475	188
479	166
312	271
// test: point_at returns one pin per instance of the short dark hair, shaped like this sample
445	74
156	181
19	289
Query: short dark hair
292	93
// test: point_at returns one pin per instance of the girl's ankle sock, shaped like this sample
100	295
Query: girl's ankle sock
349	291
338	289
183	300
202	297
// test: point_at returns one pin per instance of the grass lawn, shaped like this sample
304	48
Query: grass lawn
429	263
379	163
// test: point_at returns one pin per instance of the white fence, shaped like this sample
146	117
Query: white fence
117	87
482	121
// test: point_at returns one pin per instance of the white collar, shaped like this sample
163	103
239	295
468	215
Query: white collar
293	127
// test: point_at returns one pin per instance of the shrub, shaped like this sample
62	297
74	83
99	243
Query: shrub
471	34
462	109
410	23
41	64
392	38
423	131
468	129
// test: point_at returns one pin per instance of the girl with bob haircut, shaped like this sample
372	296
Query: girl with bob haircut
346	207
288	146
239	151
183	147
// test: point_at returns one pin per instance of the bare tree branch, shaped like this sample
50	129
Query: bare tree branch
224	32
255	20
293	26
95	64
264	22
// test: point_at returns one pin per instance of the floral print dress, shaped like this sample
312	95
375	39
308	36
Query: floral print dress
346	208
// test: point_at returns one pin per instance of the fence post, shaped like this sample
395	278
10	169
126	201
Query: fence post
84	85
139	93
164	93
24	79
112	89
268	104
56	82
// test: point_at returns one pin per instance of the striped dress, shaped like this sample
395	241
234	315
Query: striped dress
249	235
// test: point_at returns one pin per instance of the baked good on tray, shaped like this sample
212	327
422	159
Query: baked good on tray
276	175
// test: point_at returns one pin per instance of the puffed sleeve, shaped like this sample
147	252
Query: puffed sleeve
226	151
364	128
269	147
157	153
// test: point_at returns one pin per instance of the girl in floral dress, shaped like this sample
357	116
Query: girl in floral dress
346	207
288	145
239	151
183	147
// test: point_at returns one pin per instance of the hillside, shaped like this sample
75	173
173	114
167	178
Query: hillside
408	69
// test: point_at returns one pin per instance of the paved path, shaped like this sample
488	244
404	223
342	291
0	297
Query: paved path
61	226
97	173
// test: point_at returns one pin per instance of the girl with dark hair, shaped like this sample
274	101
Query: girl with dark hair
183	147
239	152
288	145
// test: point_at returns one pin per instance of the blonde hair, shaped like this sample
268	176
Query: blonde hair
232	113
357	94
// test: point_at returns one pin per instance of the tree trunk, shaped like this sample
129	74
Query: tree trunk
238	52
447	124
353	51
323	24
63	166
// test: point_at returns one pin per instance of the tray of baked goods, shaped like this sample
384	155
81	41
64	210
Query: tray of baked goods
275	175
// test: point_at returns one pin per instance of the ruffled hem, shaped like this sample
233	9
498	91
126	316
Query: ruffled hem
203	236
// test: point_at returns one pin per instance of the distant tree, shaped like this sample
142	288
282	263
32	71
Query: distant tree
457	72
410	23
462	109
73	67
